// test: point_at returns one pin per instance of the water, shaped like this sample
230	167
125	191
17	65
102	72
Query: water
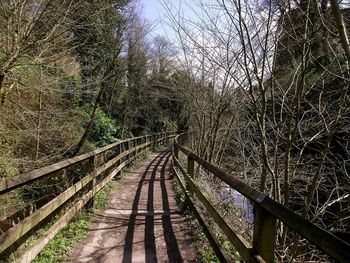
235	199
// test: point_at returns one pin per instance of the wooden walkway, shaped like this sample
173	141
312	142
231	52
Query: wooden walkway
142	222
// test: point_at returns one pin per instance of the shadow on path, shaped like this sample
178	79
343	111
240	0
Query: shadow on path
173	253
169	236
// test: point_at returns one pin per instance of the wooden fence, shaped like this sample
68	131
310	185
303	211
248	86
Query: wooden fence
107	161
266	213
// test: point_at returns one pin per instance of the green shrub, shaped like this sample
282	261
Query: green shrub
7	170
207	255
58	248
64	241
104	130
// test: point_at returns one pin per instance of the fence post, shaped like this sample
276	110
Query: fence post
65	179
136	143
190	166
168	134
128	149
118	152
176	152
264	237
91	203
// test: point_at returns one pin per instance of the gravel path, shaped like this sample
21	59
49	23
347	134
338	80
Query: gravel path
141	222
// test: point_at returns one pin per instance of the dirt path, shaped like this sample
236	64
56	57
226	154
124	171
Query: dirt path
141	222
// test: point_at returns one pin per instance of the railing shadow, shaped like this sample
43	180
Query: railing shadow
169	236
173	251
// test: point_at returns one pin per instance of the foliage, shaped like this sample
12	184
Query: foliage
74	75
58	248
7	170
207	255
64	241
101	197
145	155
104	130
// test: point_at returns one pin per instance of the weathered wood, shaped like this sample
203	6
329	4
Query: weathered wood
178	165
242	246
184	172
219	251
176	151
133	145
181	183
17	231
324	240
190	166
8	184
30	222
91	203
270	210
35	249
238	185
118	161
113	161
265	231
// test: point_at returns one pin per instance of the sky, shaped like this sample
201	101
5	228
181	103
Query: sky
152	10
155	13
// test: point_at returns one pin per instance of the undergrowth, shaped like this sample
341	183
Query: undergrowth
205	253
58	248
143	155
64	241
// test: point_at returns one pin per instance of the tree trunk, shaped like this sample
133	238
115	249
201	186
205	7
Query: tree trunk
341	28
37	148
2	89
85	135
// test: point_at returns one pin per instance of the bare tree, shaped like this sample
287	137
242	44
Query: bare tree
33	33
274	64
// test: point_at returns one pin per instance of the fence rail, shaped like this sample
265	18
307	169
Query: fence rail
122	153
266	213
110	160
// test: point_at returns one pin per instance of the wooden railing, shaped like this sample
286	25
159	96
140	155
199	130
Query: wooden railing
107	161
266	213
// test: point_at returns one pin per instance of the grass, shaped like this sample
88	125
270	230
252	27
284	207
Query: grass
143	155
64	241
205	253
59	247
180	196
158	148
101	197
